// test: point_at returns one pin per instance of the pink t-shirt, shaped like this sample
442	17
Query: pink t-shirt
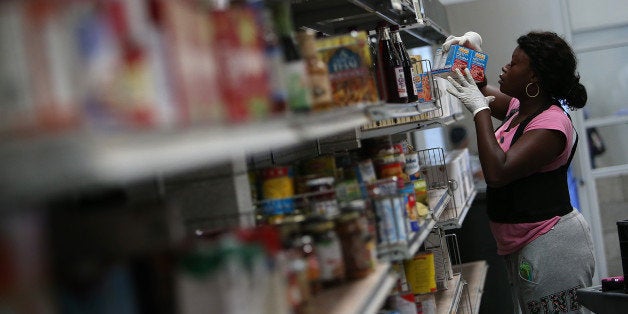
512	237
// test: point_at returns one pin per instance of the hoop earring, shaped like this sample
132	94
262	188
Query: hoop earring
538	90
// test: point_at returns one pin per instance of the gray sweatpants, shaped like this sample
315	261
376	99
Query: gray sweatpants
545	274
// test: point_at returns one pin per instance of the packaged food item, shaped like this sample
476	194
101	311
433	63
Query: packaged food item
365	171
347	191
423	87
399	154
460	57
420	273
477	65
355	246
417	63
404	303
412	215
349	60
39	68
318	74
421	79
241	62
390	169
190	63
294	69
390	211
425	303
304	243
412	167
420	190
323	200
386	229
402	281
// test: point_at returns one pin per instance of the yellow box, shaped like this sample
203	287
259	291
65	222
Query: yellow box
420	273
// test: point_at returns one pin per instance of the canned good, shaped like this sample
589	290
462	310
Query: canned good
277	190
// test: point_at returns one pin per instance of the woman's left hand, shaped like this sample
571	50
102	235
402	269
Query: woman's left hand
465	89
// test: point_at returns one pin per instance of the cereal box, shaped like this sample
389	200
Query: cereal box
349	62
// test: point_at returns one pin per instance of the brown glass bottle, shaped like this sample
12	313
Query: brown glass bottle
390	73
406	62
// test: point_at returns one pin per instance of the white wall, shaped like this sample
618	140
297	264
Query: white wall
589	15
598	31
501	22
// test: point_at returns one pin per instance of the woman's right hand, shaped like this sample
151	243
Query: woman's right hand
470	40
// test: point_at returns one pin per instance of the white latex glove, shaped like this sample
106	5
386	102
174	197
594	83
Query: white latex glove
471	40
465	89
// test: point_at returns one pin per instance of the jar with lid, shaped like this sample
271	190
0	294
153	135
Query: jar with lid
354	240
328	250
323	198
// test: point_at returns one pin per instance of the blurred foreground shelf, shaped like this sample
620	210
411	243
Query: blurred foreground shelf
35	168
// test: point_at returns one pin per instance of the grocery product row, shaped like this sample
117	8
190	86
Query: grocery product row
137	65
105	93
101	246
86	76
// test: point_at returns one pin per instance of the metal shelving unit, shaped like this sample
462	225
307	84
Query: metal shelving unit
456	222
438	199
423	22
475	275
448	301
42	167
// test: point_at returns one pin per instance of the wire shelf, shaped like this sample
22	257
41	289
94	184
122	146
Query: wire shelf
426	109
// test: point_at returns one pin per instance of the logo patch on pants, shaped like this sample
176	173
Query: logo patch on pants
525	270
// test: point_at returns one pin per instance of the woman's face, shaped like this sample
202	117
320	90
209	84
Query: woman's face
516	75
